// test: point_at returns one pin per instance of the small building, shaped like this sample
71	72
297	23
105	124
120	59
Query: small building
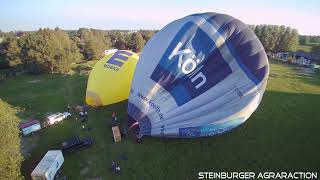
29	127
48	166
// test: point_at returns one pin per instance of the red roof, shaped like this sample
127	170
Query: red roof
23	125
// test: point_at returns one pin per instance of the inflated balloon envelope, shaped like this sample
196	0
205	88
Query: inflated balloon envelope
200	75
110	79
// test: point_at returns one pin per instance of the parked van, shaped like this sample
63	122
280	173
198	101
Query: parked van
29	127
57	117
48	166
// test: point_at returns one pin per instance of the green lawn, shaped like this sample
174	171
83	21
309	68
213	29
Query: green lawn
305	48
282	135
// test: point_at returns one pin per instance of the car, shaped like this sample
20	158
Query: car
57	117
66	114
76	143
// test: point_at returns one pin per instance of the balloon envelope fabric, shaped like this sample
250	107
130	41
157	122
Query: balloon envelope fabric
110	79
199	76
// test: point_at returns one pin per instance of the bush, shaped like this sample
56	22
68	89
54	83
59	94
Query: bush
10	156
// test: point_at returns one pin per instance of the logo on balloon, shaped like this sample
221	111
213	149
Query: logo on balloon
185	69
189	65
117	60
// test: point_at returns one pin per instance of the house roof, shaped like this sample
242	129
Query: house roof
23	125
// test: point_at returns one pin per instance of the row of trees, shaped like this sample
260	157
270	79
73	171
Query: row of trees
306	40
42	51
277	38
48	50
52	51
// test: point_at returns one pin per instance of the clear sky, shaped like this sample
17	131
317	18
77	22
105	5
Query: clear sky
303	15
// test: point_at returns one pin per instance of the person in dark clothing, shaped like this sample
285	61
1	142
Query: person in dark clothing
115	167
114	119
139	138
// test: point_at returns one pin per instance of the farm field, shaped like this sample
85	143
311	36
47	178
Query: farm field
282	135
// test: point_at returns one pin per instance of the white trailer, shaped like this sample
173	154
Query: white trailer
48	166
57	117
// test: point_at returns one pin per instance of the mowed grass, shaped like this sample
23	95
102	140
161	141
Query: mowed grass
305	48
282	135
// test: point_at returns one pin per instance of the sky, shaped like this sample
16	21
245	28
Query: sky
27	15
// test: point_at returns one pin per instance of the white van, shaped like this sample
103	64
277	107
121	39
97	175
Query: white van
57	117
48	166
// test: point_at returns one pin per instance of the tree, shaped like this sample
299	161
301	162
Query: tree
277	38
121	41
293	40
93	43
49	51
304	40
10	156
12	51
258	31
137	42
147	34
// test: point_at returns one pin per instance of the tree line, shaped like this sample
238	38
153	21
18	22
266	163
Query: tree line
277	38
307	40
54	50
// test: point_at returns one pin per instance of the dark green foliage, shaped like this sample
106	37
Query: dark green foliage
147	34
10	157
93	43
49	51
277	38
306	40
136	42
12	51
46	50
120	40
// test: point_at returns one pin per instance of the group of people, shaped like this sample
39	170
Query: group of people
123	133
83	114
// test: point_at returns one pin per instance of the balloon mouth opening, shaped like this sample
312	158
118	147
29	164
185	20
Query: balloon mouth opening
93	99
133	125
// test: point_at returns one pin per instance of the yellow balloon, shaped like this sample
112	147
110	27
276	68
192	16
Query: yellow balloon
110	79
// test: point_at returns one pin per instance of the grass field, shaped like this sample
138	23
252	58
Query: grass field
305	48
282	135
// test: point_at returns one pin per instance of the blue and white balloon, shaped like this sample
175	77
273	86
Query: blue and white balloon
200	75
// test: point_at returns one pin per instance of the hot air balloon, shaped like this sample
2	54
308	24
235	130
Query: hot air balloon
199	76
110	79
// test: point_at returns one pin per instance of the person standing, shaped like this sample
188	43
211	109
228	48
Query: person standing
114	119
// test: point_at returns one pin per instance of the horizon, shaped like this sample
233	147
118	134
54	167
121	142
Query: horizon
126	15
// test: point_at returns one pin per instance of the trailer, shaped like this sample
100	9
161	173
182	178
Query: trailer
48	166
29	127
57	117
